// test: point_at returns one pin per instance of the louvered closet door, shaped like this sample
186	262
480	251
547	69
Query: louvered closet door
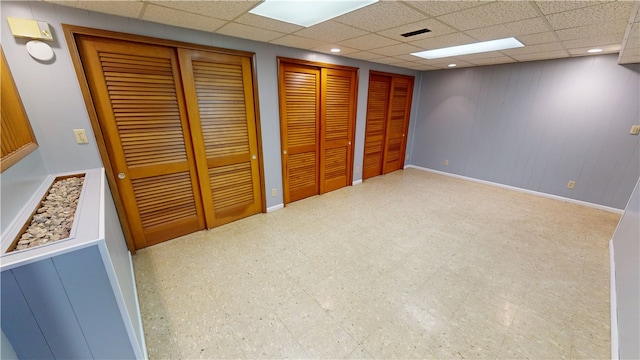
138	96
299	114
336	124
399	110
219	95
377	112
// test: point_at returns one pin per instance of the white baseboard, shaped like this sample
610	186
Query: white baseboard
275	208
615	355
356	182
138	314
537	193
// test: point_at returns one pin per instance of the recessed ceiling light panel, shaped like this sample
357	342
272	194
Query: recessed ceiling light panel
335	50
479	47
307	12
593	51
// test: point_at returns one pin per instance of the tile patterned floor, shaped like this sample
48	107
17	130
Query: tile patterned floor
408	265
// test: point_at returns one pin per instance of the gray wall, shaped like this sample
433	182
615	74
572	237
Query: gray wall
626	245
535	126
53	100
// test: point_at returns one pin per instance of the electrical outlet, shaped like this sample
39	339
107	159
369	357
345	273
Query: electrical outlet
81	136
274	192
635	130
446	163
571	184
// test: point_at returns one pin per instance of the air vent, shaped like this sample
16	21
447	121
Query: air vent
417	32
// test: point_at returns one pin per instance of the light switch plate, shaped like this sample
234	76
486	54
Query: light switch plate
635	130
81	136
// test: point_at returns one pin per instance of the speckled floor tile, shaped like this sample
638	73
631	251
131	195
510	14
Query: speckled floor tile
406	265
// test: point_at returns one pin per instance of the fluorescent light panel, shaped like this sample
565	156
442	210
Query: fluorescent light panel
307	12
479	47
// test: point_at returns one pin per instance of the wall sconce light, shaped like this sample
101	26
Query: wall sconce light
33	29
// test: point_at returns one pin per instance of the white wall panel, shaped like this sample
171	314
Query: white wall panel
626	244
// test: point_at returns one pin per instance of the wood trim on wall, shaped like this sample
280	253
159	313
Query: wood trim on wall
382	73
74	29
317	64
18	139
70	32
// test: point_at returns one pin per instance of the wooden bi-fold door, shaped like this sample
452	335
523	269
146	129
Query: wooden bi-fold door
220	104
179	129
388	112
317	116
300	135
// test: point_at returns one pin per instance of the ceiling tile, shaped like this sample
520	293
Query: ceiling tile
327	49
423	67
416	66
444	41
445	65
522	27
169	16
388	60
407	64
472	58
616	27
380	16
535	39
606	49
248	32
400	49
592	14
367	42
408	57
491	14
493	61
298	42
266	23
630	55
130	8
439	63
437	8
330	31
226	10
542	56
551	7
630	59
597	41
551	47
365	55
437	29
634	33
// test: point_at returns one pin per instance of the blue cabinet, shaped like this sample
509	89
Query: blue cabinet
74	298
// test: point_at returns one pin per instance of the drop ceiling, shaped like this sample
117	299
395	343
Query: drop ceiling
549	29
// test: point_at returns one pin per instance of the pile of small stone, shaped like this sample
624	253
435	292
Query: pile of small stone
53	219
